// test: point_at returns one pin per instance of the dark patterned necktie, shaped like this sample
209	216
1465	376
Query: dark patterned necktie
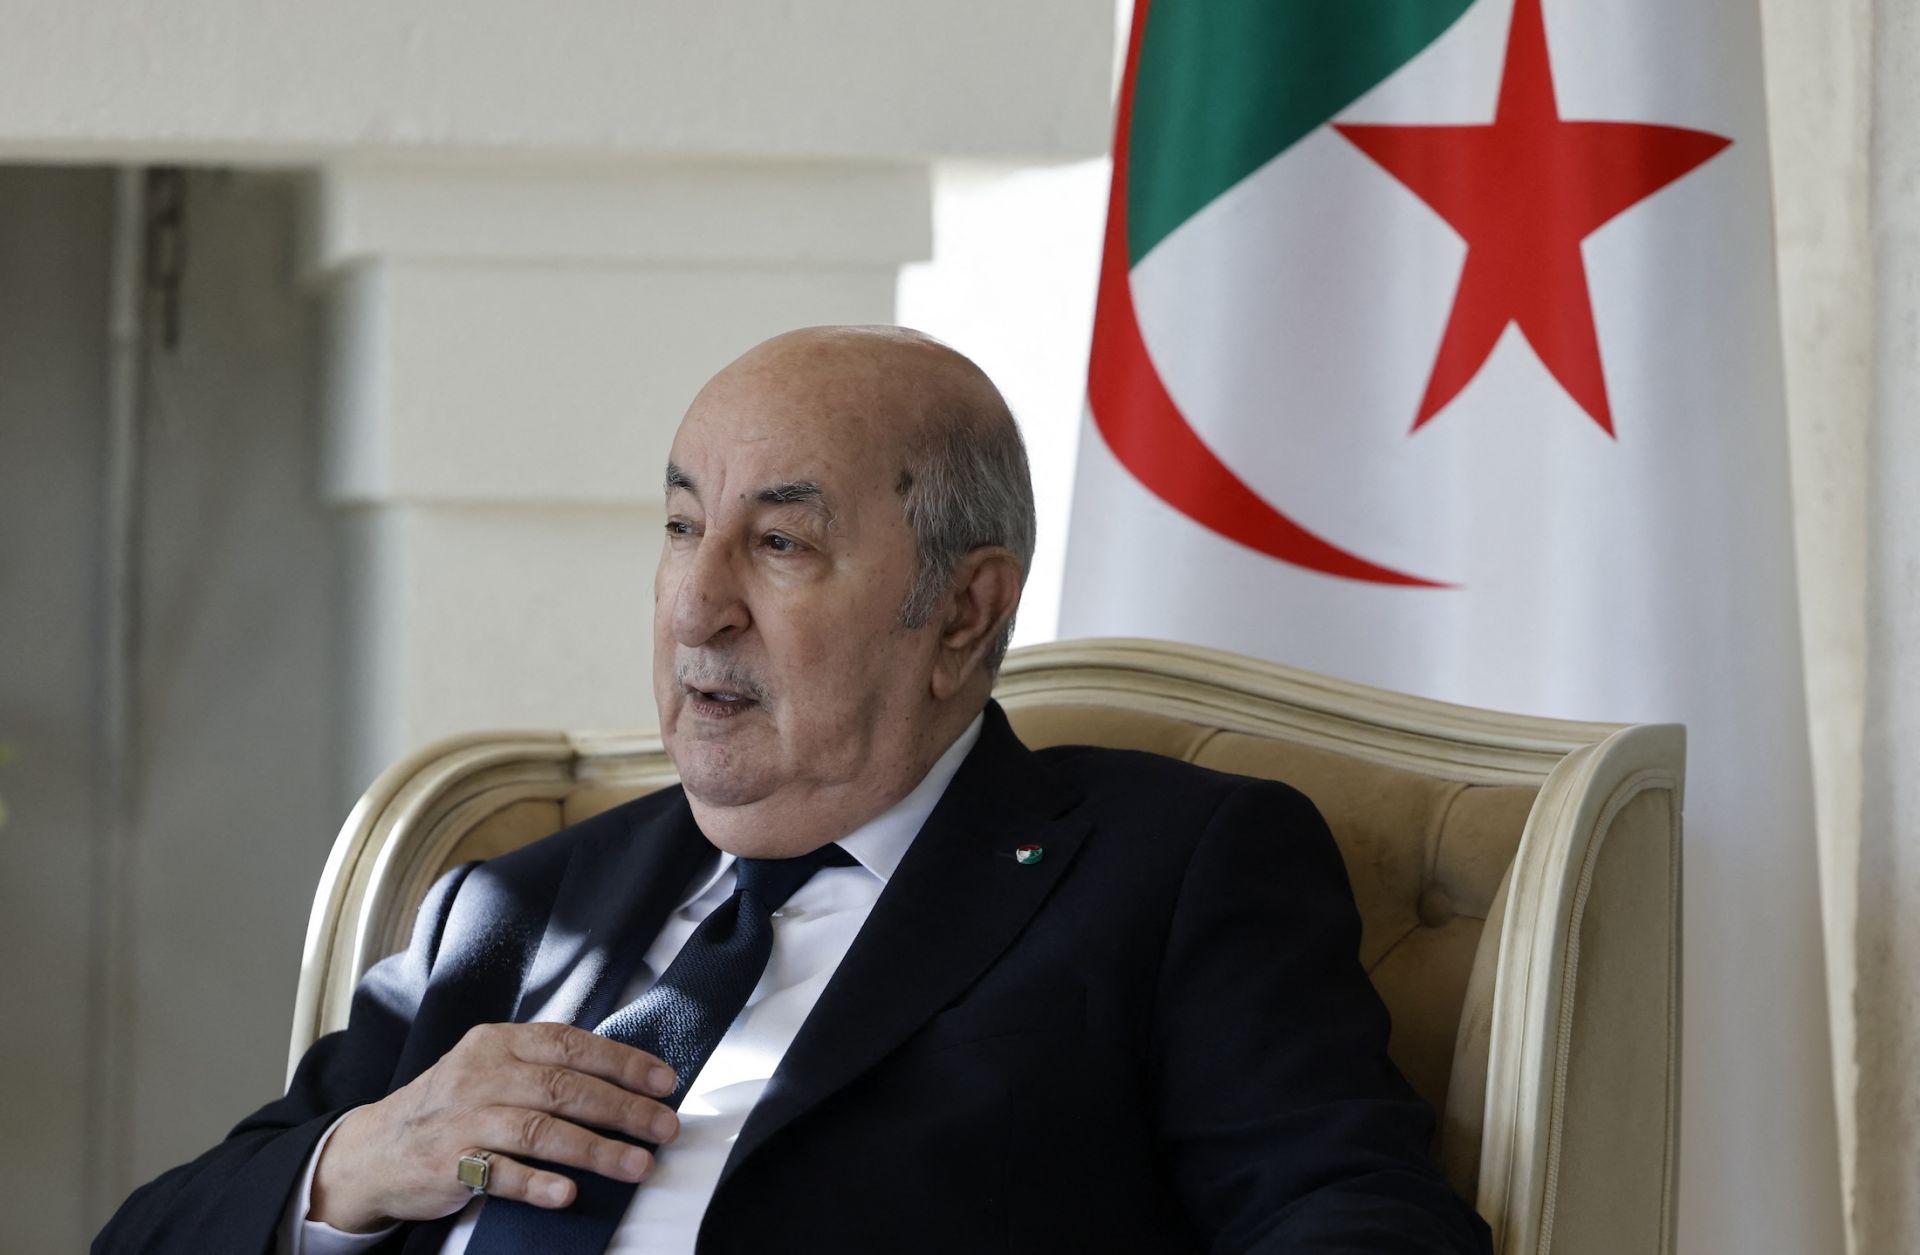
680	1019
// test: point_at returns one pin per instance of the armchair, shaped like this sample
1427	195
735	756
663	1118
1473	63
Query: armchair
1518	881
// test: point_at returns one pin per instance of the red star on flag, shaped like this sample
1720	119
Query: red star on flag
1524	192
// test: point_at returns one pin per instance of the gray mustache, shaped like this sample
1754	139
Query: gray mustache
725	678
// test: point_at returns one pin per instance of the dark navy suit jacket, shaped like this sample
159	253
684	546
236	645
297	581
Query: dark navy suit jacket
1157	1038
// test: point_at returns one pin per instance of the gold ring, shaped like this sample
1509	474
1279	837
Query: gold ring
473	1171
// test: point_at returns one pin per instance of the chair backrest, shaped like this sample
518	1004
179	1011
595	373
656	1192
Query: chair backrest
1500	863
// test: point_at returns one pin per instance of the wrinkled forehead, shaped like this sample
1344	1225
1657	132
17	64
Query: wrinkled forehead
750	434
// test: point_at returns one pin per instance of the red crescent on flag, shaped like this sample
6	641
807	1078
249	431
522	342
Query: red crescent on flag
1146	430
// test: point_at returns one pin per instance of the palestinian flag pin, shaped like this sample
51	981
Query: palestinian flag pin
1027	855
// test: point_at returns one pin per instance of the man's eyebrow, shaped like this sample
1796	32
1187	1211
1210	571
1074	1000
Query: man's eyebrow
797	490
802	492
806	493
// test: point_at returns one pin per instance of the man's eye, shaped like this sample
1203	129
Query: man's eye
679	527
781	544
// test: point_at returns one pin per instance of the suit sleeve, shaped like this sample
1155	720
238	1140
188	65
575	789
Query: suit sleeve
1288	1128
231	1198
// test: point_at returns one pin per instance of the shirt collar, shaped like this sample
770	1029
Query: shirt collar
879	844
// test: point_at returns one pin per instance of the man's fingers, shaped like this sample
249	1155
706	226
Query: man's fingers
509	1178
540	1135
575	1048
588	1100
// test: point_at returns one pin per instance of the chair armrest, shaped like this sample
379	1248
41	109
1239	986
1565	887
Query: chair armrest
1584	1060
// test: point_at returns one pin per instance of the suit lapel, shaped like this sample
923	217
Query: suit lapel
956	902
617	892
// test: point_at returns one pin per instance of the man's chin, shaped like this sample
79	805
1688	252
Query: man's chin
714	775
747	823
726	793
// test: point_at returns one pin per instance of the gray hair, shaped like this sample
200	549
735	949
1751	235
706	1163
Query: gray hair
967	487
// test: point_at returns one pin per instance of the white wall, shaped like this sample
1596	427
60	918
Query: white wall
529	80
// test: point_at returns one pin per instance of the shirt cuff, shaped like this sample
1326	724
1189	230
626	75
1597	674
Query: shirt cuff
299	1236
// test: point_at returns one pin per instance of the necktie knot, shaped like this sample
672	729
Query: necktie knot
771	881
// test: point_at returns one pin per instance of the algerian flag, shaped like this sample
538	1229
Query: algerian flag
1437	349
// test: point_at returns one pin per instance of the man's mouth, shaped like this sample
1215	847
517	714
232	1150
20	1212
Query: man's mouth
721	693
718	703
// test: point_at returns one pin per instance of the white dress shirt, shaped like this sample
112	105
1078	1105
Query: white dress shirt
811	934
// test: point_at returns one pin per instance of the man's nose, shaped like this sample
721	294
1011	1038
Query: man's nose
709	600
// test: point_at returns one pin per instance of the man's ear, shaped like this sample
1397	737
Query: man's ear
982	597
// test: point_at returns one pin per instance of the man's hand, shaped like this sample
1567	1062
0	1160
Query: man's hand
523	1091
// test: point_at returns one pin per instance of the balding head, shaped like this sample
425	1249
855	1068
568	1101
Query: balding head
894	379
850	521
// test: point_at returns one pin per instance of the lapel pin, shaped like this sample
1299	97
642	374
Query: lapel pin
1028	855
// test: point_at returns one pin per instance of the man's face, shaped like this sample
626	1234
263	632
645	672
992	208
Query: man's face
781	668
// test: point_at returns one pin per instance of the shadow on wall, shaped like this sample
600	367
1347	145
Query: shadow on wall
232	693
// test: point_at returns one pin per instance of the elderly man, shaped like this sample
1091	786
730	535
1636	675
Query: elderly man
875	977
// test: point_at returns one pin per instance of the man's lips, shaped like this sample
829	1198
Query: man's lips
718	692
718	703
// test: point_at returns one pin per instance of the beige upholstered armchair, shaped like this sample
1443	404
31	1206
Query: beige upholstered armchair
1518	881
